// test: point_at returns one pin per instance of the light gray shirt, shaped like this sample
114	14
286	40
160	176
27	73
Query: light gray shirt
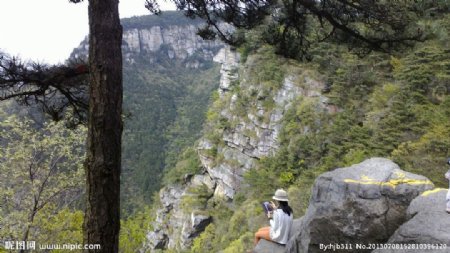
280	226
447	175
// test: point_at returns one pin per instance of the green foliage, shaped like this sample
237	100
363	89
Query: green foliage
354	156
262	181
231	229
241	244
42	178
196	198
188	164
205	242
267	69
294	27
426	69
64	226
252	42
134	229
352	78
426	155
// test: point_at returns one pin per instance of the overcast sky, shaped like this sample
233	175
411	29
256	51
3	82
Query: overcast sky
48	30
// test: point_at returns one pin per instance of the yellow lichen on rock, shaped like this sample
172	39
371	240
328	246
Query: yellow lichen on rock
427	193
391	183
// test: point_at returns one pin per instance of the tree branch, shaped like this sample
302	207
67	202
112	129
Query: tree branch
54	88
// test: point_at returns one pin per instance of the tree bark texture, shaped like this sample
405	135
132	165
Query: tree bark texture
103	165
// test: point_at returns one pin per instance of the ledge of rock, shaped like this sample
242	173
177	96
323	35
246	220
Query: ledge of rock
428	223
364	203
265	246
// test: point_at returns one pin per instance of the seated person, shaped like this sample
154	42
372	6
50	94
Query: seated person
280	220
447	175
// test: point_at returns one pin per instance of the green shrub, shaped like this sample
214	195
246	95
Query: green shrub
189	164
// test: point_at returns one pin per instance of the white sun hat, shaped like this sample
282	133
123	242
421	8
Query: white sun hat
280	195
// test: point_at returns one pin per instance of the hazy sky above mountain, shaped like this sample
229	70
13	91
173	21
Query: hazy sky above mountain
48	30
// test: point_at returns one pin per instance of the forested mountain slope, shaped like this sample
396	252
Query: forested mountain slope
280	123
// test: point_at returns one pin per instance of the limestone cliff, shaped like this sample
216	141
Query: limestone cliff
181	41
177	41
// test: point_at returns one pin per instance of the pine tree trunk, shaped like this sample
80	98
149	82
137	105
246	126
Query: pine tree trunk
103	165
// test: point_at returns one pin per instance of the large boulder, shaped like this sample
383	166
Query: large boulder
361	204
428	225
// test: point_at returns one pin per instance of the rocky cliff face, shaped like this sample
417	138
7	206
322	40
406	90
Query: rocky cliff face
251	130
237	137
179	42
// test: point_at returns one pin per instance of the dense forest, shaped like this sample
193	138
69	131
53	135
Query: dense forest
394	105
165	103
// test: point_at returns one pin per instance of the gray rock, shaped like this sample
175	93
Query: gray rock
295	235
224	191
205	179
429	201
364	203
170	195
199	221
192	228
428	224
228	71
157	239
265	246
161	240
173	227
